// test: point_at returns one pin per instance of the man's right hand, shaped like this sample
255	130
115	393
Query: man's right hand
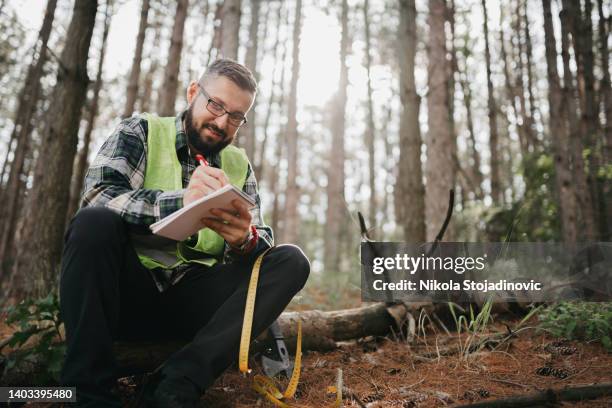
204	180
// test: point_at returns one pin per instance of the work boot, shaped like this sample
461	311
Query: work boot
167	391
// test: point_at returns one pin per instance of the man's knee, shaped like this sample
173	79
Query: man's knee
95	227
299	264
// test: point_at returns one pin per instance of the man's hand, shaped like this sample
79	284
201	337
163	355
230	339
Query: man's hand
204	180
235	227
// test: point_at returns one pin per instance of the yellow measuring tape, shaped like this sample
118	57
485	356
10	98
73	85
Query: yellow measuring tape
263	384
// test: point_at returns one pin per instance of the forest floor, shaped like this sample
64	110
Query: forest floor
389	372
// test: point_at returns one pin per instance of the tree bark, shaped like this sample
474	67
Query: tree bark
370	133
605	93
496	190
409	194
440	168
22	133
334	215
583	192
42	244
170	83
530	73
560	136
250	60
133	81
146	97
230	29
81	162
291	220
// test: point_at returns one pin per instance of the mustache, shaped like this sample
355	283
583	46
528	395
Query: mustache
215	129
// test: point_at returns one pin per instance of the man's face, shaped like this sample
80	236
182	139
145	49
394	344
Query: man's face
207	133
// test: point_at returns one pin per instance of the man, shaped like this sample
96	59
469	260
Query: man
120	282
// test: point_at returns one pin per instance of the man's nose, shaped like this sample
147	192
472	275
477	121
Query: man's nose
221	121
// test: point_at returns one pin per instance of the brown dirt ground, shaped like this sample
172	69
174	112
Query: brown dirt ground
383	372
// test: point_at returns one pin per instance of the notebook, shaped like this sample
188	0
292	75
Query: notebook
187	221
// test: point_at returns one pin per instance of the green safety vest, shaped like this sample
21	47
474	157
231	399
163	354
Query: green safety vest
164	172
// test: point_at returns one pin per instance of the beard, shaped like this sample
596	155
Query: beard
200	142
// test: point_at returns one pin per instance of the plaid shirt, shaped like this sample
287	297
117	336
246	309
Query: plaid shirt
115	179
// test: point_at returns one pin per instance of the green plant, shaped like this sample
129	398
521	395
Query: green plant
580	321
37	320
474	328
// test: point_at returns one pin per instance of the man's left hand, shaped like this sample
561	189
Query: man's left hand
233	226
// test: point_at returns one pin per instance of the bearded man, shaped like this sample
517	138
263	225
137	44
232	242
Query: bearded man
120	282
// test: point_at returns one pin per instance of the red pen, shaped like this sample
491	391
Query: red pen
201	160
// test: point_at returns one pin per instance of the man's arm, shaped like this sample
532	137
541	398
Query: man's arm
116	176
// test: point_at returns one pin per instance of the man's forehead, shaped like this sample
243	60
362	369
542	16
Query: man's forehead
227	92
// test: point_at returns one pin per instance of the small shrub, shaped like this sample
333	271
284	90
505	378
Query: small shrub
580	321
37	319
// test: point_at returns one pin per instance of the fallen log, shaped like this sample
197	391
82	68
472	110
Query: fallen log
576	393
321	331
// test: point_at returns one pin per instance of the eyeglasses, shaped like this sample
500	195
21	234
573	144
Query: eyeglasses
235	118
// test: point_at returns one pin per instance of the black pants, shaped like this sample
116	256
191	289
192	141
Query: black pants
106	294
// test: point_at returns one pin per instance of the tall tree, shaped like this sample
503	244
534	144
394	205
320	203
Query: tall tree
440	167
291	221
496	190
370	132
170	83
560	136
409	190
335	169
42	244
248	133
81	159
605	87
132	87
22	133
583	194
230	28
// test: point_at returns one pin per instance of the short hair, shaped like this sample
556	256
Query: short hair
235	72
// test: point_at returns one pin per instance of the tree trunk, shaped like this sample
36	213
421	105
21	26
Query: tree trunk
170	83
248	133
606	93
81	162
334	215
42	244
409	191
530	75
132	87
583	193
291	220
582	35
496	190
440	168
370	133
22	133
146	97
560	137
230	29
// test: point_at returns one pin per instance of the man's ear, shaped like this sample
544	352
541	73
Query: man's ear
192	91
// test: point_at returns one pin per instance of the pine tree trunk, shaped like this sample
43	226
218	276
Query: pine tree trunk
22	133
409	194
230	29
496	190
81	162
42	244
530	75
170	83
248	133
145	99
132	87
560	137
605	87
334	215
370	133
583	192
291	220
440	168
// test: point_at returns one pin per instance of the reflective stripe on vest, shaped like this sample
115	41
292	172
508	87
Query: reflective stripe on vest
164	172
